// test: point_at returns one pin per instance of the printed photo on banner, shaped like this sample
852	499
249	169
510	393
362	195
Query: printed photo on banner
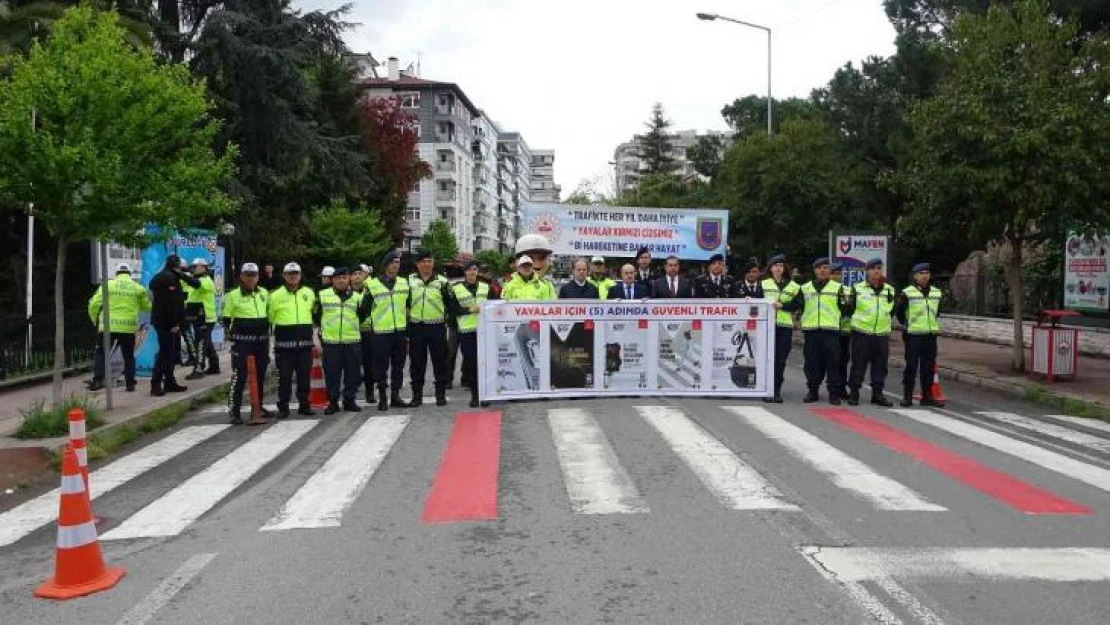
572	354
626	363
518	345
680	355
735	362
1086	280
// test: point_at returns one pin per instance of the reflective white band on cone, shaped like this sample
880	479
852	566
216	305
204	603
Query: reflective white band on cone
76	535
72	485
77	429
82	456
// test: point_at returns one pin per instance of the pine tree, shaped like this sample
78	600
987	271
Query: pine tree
655	147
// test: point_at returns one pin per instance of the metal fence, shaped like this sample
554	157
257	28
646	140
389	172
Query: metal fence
16	361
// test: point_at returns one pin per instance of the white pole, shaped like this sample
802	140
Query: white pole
106	338
770	114
30	269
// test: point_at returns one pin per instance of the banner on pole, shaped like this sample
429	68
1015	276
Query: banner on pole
590	348
620	231
1086	280
854	251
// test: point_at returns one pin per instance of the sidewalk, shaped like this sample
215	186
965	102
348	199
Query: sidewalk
127	406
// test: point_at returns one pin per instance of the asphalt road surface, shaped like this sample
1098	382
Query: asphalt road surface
654	510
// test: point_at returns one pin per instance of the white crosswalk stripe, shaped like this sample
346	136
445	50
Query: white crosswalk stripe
179	508
1051	429
734	483
28	517
844	470
330	491
595	480
858	564
1064	465
1094	424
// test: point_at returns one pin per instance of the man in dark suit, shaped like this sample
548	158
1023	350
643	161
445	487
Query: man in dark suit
644	275
671	285
628	287
748	285
714	284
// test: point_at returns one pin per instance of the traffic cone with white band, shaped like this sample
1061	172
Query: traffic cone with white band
76	417
318	393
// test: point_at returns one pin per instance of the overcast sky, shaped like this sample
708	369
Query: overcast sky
580	76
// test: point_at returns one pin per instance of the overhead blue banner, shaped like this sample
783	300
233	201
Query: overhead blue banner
620	231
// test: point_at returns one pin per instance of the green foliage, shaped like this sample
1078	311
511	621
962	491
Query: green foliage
748	115
654	149
587	194
440	241
495	260
667	191
706	154
342	235
38	421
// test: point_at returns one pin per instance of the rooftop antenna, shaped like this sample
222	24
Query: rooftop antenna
419	58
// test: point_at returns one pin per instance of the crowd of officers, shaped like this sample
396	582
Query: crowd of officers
369	325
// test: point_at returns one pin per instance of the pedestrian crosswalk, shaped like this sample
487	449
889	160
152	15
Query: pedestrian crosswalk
595	478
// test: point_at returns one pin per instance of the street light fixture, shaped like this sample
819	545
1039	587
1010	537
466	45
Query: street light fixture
711	17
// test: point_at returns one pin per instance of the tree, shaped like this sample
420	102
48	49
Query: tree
785	191
121	142
748	115
391	139
440	241
497	262
24	21
587	194
655	149
1013	146
667	191
341	235
706	154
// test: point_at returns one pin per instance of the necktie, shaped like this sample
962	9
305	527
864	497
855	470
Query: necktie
627	292
674	290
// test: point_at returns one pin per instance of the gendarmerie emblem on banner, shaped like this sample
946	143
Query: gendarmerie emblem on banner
709	233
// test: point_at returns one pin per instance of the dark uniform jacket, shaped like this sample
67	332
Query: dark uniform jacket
704	288
571	290
167	307
741	289
660	288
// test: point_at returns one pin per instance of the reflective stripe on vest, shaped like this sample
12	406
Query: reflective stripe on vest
469	321
822	309
339	318
771	289
921	312
390	312
427	299
872	314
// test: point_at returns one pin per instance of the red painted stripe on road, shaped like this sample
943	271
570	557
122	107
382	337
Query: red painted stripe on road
1001	486
465	488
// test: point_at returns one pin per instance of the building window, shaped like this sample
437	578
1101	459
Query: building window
410	100
412	214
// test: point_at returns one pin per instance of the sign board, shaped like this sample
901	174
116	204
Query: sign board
117	254
1086	280
619	231
591	348
854	251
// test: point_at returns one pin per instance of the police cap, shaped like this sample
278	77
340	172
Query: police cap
919	267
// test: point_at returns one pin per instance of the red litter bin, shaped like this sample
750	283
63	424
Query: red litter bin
1055	349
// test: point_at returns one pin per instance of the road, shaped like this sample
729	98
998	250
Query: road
659	510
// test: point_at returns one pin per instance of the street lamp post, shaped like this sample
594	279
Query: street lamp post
709	17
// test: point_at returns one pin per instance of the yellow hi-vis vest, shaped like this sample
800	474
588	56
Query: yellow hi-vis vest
873	310
822	309
204	294
771	289
468	322
426	304
921	312
603	285
126	299
292	308
339	318
390	308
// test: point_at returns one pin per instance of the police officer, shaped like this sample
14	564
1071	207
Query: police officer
644	274
325	277
538	248
917	309
780	289
467	298
246	317
167	317
527	284
359	279
388	303
749	286
126	299
836	273
290	313
200	311
871	303
599	277
819	302
339	313
713	284
429	294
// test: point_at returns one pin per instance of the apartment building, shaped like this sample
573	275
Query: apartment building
514	178
629	168
544	188
487	234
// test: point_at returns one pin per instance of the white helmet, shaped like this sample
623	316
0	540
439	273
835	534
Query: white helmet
532	242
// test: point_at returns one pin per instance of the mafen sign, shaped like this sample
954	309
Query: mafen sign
620	231
854	251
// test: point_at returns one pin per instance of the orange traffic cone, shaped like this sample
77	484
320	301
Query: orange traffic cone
935	391
257	418
78	564
76	418
318	395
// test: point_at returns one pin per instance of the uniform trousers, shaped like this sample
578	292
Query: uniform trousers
784	342
869	350
390	350
822	359
166	359
468	345
126	343
425	338
240	352
921	356
368	364
296	360
845	355
343	370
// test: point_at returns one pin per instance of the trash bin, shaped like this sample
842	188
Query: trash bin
1055	350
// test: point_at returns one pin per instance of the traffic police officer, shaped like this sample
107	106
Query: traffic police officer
871	303
528	284
291	309
749	286
246	317
836	273
429	296
126	299
714	284
819	301
339	313
600	277
200	311
917	309
360	278
467	299
780	289
388	303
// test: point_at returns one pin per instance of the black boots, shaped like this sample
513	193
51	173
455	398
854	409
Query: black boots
306	411
879	399
441	396
333	407
417	397
473	397
927	400
383	399
907	397
834	398
853	397
810	397
395	400
351	406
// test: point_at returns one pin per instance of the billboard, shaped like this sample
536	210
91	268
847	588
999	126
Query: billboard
854	251
619	231
1086	280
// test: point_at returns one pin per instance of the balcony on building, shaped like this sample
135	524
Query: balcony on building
445	132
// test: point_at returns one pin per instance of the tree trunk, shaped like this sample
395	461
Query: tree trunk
1013	279
59	323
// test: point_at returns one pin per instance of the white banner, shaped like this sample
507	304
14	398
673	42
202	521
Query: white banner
1086	280
854	251
589	348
